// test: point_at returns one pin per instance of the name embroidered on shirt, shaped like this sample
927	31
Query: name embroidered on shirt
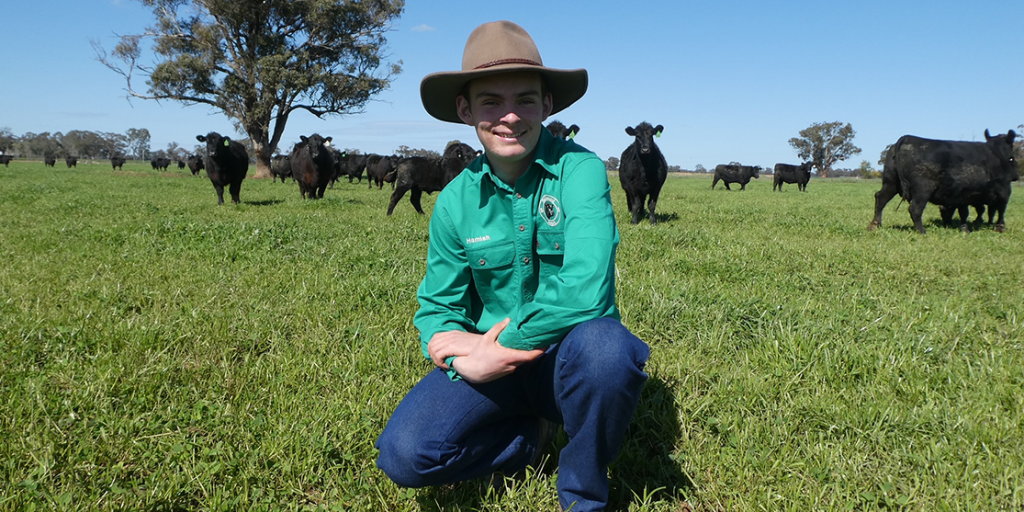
478	239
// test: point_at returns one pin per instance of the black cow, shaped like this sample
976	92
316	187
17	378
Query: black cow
560	131
49	161
951	174
786	173
117	162
732	173
226	163
160	164
313	165
6	160
181	164
72	161
421	174
281	166
195	164
642	170
379	169
351	165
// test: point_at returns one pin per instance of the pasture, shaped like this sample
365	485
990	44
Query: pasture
160	352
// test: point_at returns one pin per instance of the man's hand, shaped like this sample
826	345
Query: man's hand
480	357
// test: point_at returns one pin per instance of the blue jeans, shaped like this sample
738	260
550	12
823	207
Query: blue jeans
444	432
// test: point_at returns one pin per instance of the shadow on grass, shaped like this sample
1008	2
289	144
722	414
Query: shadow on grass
265	202
645	466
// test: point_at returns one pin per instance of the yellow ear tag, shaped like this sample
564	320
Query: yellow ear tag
572	135
227	143
658	135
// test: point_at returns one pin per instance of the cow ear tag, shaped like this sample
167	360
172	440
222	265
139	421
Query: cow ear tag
343	155
227	143
327	143
658	135
572	135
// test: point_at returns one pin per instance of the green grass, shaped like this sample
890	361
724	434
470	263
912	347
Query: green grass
159	352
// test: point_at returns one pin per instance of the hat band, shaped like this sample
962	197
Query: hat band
508	61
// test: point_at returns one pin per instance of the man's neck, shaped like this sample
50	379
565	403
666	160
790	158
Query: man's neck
510	172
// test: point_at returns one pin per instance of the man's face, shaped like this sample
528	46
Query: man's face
508	112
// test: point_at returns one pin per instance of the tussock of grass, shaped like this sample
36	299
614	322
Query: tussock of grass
160	352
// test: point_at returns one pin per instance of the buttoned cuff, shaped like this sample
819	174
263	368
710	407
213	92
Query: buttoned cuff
452	374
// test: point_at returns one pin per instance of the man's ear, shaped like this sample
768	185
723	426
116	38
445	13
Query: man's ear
549	105
464	109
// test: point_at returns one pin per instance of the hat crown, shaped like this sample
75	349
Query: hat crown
497	43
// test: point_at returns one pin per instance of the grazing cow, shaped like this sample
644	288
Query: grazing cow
421	174
378	169
117	162
195	164
313	165
786	173
72	161
951	174
281	166
642	170
6	160
730	173
560	131
226	163
49	161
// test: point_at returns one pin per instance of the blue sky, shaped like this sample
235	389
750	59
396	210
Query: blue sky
730	80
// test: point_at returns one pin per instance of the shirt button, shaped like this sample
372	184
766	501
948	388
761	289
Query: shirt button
526	260
556	246
518	195
482	262
522	227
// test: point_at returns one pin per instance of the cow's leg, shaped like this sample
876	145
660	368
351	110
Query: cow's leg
396	196
743	185
714	182
980	209
916	209
965	217
414	198
235	187
637	208
320	192
777	184
726	183
999	209
882	198
629	202
651	204
220	193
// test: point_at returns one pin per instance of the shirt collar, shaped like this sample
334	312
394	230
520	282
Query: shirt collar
546	157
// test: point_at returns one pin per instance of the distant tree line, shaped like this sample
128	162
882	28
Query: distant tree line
134	144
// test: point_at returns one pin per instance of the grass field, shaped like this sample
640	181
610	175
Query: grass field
158	352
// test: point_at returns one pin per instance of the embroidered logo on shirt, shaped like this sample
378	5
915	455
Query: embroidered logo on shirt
478	239
550	210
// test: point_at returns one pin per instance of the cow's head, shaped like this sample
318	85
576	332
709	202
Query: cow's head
560	131
317	145
806	167
1002	147
214	141
644	134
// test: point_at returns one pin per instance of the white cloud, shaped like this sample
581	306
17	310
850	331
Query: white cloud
423	28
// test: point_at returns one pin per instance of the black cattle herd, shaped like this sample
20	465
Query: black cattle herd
953	175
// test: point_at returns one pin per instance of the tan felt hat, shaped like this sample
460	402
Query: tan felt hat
493	48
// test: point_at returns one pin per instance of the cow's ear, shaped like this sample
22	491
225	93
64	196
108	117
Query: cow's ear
304	138
987	136
630	131
658	130
200	138
327	141
573	130
1011	135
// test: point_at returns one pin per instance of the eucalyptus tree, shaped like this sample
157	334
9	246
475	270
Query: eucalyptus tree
259	61
825	144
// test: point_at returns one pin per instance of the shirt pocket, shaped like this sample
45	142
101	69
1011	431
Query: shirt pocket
493	272
550	252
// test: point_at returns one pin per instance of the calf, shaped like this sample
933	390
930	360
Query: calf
72	161
281	166
731	173
378	169
226	163
951	174
786	173
560	131
642	170
420	174
313	165
49	161
117	162
195	164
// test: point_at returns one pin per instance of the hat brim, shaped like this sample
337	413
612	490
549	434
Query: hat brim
439	90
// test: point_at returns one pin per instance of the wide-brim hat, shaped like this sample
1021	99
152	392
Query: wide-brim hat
494	48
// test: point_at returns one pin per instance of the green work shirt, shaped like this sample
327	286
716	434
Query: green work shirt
541	252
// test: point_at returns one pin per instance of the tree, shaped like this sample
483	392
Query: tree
824	144
258	61
612	164
406	152
138	142
7	140
866	171
700	168
884	155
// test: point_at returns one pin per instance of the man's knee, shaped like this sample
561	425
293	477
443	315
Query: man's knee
604	349
402	459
